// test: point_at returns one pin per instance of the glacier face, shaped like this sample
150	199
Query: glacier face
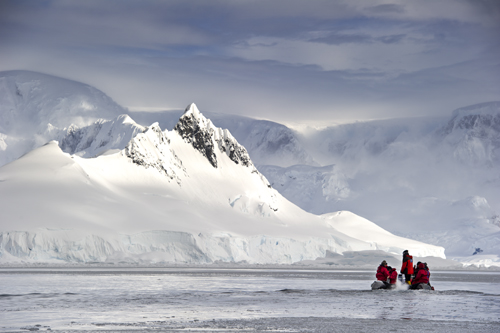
158	246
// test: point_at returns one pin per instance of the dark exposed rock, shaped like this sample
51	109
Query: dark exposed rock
201	138
195	129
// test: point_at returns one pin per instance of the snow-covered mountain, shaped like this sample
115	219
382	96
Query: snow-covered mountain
430	179
269	143
35	108
187	195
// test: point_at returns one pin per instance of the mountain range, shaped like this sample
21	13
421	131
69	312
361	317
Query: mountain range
182	186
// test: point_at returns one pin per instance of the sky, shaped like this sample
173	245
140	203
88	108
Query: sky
296	62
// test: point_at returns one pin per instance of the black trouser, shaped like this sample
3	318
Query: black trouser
407	277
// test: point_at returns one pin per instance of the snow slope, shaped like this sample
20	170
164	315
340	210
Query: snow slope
187	195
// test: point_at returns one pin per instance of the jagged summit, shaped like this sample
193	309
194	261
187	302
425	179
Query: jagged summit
192	108
209	140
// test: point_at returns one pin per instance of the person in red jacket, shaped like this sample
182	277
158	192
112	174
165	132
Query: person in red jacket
422	276
407	267
383	274
393	276
428	275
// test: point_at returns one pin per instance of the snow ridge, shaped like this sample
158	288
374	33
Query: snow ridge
151	149
103	135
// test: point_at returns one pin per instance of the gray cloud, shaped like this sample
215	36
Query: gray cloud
387	8
294	61
337	39
391	39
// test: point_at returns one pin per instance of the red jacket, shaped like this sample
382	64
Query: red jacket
422	275
393	276
382	273
407	267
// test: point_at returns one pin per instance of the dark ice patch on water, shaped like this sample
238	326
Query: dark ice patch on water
38	295
9	295
292	291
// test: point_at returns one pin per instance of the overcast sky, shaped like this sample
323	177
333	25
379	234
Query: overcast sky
289	61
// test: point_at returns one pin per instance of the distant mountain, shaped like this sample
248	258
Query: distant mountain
420	178
35	107
188	195
472	134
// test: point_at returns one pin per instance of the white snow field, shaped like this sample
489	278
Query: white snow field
248	300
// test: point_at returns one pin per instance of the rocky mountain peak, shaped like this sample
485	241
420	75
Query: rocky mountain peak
209	140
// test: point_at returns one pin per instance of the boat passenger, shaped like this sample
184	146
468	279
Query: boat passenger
383	274
420	277
393	276
407	267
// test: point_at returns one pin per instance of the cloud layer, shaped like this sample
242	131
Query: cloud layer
289	61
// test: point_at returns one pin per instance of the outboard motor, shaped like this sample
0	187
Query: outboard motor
378	285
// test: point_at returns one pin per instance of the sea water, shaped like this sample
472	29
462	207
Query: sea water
249	299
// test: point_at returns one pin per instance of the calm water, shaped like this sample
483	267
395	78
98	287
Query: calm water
189	299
